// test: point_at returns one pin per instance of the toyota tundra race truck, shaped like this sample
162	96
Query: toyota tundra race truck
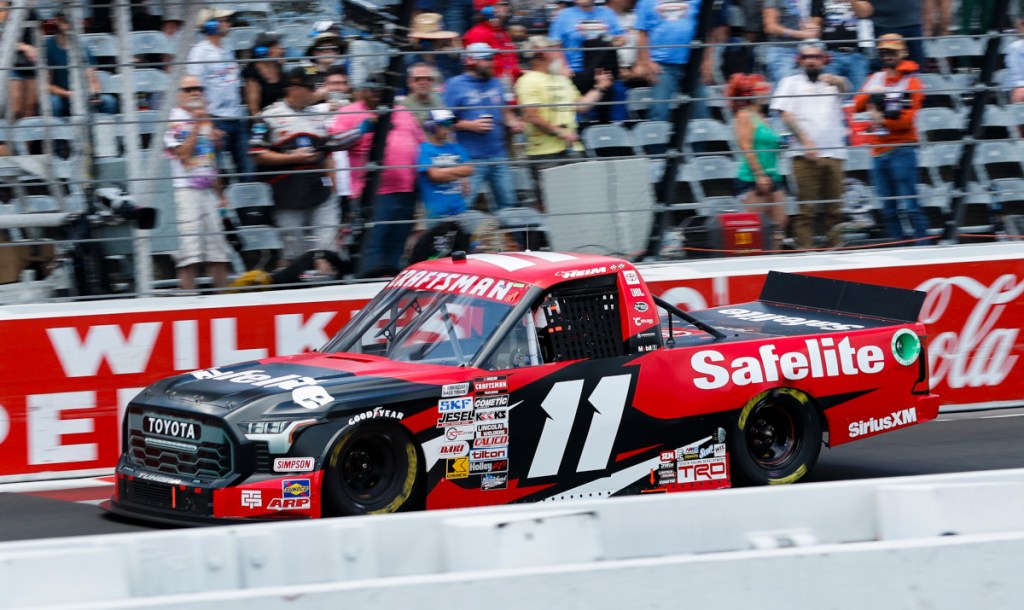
504	378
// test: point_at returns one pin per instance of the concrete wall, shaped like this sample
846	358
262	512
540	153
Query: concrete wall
916	542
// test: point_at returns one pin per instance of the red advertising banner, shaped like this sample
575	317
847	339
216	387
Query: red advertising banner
68	371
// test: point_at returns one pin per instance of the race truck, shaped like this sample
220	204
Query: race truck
522	377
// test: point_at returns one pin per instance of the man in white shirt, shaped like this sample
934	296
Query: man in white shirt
811	106
217	69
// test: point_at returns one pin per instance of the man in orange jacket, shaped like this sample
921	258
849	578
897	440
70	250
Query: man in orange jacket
893	96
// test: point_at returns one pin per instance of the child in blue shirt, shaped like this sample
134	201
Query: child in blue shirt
443	177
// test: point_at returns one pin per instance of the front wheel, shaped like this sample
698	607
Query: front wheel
776	439
372	468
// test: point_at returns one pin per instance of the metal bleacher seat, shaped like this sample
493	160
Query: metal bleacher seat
939	124
709	176
242	38
101	45
37	204
151	43
937	163
651	137
946	49
1008	195
611	140
295	37
252	204
708	136
997	123
994	160
858	164
638	102
717	205
940	91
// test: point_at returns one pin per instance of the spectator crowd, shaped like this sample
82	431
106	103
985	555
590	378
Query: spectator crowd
490	85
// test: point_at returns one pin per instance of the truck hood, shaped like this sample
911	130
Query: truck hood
312	383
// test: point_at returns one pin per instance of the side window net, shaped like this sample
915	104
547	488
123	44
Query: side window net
582	322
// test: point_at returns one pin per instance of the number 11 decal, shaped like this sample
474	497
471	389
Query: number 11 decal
562	404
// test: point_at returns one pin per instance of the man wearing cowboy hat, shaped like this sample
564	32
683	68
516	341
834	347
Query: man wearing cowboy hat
429	36
217	69
325	51
892	97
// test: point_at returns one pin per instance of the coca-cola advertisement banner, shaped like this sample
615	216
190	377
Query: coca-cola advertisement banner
69	370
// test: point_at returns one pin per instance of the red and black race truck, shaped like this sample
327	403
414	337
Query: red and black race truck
502	378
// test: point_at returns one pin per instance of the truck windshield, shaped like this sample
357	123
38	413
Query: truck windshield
410	325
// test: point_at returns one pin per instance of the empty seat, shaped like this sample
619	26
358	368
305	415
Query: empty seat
38	204
939	124
252	202
612	140
151	43
242	38
651	137
638	102
710	176
994	160
858	164
708	136
946	49
940	91
295	37
997	124
101	45
1008	195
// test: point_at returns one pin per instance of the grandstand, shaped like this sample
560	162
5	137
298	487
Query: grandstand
75	191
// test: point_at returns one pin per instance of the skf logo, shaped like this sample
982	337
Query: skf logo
295	488
896	420
823	358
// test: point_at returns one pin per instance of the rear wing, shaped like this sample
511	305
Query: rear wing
841	296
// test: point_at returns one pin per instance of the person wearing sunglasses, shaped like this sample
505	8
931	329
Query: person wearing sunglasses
191	142
892	97
810	104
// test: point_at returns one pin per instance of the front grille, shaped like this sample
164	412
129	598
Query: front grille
161	495
208	456
262	456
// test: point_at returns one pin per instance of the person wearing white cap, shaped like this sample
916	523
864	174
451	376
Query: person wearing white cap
216	67
444	168
478	100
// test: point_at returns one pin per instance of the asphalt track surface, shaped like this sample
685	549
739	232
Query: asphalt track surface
955	442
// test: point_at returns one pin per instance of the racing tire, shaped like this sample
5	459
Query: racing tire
373	468
776	438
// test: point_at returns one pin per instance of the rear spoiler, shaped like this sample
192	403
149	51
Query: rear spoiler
841	296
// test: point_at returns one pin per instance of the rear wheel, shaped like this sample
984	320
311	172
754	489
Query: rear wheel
372	468
776	439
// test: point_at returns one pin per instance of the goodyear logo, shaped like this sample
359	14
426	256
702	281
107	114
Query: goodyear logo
295	488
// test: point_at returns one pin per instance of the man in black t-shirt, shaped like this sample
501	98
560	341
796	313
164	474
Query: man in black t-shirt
839	21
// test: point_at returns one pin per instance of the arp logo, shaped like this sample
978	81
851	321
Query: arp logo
289	504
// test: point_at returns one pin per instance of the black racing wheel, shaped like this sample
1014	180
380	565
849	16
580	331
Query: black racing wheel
776	438
373	468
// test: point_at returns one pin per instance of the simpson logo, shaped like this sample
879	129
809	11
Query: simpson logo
494	481
490	385
302	464
640	306
171	427
295	488
631	277
823	358
482	442
488	466
311	397
575	273
448	405
479	455
376	413
896	420
637	293
697	471
458	418
455	390
457	468
257	378
289	504
475	285
758	316
252	498
459	433
490	402
492	415
453	450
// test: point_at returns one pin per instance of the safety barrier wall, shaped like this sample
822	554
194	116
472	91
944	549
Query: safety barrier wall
933	541
69	369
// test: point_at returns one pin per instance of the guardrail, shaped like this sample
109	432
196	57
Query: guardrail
929	541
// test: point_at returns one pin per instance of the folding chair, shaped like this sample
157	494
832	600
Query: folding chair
710	176
242	38
611	140
638	102
994	160
708	136
939	124
651	137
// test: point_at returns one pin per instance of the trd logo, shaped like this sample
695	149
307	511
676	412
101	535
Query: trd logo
289	504
712	469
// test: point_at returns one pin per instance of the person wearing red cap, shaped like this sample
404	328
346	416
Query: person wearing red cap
893	96
490	30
